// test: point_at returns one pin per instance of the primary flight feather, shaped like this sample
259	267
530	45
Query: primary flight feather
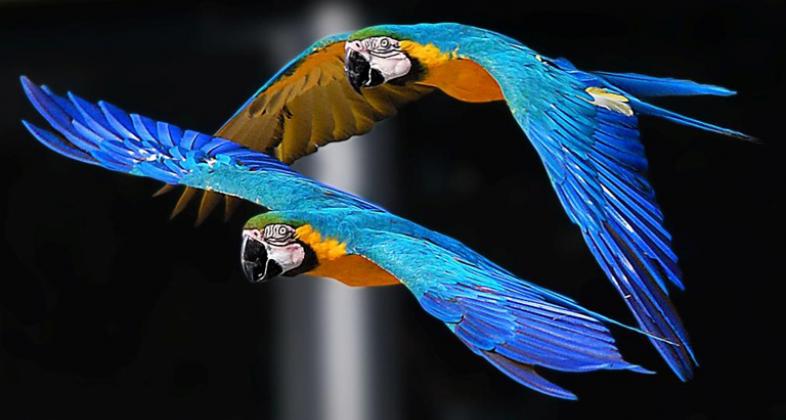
315	229
584	126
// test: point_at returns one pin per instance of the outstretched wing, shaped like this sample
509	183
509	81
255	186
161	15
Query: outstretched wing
107	136
516	326
308	104
587	135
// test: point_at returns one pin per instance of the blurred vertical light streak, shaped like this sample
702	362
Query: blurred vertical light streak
332	337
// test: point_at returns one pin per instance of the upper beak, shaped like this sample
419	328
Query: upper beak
357	68
256	265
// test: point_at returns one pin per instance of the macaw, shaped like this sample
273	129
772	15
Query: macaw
314	229
584	126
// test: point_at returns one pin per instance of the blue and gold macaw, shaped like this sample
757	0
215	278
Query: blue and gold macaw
584	126
314	229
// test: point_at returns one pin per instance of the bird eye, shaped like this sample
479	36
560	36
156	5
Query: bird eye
384	43
279	233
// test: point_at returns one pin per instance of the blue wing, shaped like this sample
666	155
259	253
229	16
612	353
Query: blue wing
104	135
513	324
587	135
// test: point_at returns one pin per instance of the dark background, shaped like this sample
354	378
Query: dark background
109	311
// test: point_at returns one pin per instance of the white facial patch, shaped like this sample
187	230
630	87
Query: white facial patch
288	257
392	67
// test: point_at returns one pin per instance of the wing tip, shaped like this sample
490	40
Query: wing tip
678	356
639	369
683	364
25	81
709	89
56	144
527	376
722	91
28	87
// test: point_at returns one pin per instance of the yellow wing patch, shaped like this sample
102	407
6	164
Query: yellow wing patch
612	101
457	76
334	262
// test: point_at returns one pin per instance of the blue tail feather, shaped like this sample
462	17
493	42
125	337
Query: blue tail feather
656	111
649	86
638	85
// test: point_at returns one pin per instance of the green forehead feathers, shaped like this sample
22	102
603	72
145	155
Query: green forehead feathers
261	220
371	32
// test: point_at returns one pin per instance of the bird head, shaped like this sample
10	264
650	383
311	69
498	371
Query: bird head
387	53
272	246
374	58
439	55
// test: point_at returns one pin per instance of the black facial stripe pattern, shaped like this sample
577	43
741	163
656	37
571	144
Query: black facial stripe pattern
279	234
381	44
384	53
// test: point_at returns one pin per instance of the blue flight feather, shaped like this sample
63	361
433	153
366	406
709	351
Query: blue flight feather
148	148
56	144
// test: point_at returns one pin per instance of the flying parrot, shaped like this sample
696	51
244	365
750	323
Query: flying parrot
315	229
584	126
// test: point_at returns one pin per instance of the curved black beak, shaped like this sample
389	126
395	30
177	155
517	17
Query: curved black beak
360	73
256	266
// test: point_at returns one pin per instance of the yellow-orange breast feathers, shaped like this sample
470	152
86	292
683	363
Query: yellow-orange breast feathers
457	76
334	262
